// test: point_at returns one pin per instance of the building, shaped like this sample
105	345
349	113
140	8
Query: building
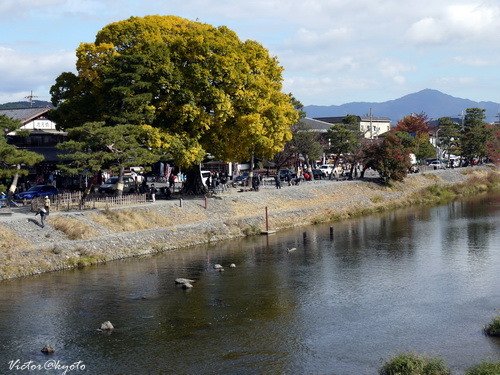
42	138
370	126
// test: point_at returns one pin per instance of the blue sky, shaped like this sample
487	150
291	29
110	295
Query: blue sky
333	51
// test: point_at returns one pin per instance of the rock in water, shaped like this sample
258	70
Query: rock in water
47	349
217	266
107	326
182	280
291	249
232	265
187	286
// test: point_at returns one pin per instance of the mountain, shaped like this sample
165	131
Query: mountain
21	105
433	103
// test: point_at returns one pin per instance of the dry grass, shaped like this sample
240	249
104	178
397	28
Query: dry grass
74	229
133	220
9	240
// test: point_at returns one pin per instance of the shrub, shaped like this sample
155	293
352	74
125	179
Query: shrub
493	329
74	229
485	368
412	364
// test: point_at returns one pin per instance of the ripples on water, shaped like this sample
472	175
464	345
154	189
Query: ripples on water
424	280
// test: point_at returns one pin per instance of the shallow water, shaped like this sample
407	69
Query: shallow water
421	280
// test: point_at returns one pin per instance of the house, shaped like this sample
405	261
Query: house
42	138
370	126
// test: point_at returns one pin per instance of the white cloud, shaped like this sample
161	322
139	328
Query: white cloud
313	39
457	22
473	61
20	72
393	70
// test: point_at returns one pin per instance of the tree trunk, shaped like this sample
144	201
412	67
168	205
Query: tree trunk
13	186
119	184
351	170
194	184
362	175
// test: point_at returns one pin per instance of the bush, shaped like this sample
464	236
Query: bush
493	329
485	368
412	364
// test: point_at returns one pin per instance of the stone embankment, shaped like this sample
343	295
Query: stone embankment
77	239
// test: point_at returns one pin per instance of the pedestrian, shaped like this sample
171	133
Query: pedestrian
255	182
171	180
153	191
42	212
46	204
277	181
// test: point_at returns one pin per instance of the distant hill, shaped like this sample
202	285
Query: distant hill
433	103
25	104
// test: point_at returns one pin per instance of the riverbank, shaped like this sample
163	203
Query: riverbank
78	239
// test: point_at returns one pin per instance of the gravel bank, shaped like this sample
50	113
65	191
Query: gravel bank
27	249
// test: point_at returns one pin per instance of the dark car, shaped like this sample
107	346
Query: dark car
38	191
285	173
241	179
110	185
318	174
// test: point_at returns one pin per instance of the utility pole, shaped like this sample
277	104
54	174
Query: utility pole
371	125
30	98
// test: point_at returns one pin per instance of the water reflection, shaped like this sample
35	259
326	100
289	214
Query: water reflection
338	304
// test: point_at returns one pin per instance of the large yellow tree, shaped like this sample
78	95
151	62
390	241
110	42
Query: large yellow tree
190	80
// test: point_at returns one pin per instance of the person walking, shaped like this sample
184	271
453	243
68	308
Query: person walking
46	204
152	191
42	212
277	181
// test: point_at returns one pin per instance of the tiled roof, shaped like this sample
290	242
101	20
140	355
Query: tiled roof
315	124
24	115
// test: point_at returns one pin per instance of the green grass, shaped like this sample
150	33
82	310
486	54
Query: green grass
413	364
485	368
83	261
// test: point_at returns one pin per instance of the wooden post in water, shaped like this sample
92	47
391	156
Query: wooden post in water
267	231
267	221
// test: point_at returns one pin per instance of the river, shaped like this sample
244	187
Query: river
424	280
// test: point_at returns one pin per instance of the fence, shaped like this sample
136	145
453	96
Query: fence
73	201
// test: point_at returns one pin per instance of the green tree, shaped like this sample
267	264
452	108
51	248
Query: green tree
193	81
94	147
448	138
14	161
345	141
413	130
475	134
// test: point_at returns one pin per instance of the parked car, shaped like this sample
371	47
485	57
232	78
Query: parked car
37	191
241	179
326	169
436	164
318	174
110	185
285	173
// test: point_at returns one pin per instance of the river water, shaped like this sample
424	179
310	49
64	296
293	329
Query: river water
424	280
